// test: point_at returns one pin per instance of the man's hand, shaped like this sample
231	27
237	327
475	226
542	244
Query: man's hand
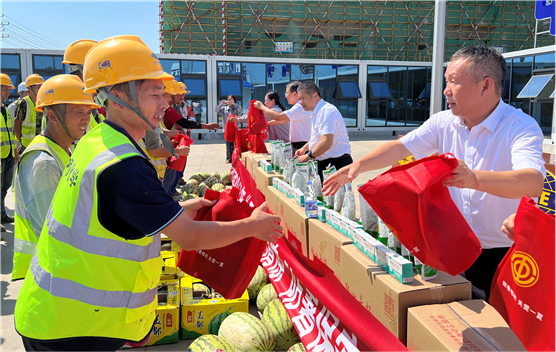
508	227
192	206
341	177
302	151
17	156
462	177
223	102
303	158
265	225
258	105
182	151
212	126
171	133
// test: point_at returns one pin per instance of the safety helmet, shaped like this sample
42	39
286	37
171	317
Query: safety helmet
63	89
5	80
182	88
21	88
33	79
170	87
120	59
76	51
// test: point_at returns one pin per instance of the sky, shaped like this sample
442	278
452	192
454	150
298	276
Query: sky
61	23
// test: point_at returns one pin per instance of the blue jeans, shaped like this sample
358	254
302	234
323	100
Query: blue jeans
170	181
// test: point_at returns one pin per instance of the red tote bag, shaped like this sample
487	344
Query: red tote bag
178	164
417	207
240	143
523	286
230	130
256	121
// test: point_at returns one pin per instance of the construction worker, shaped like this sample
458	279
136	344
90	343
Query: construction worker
94	275
23	92
74	57
67	108
27	122
7	149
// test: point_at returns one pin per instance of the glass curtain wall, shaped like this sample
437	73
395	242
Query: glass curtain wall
49	65
10	65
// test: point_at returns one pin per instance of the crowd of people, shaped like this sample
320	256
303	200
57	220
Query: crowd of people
93	189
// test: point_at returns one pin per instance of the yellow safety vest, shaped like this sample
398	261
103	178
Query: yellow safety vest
7	136
29	126
93	123
85	280
26	239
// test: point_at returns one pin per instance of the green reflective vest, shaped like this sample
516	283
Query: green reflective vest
84	280
26	239
7	135
29	126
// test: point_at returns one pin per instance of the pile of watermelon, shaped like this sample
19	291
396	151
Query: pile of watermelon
199	182
244	332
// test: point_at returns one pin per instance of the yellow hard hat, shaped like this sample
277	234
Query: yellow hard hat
63	89
76	51
120	59
33	79
183	88
170	87
5	80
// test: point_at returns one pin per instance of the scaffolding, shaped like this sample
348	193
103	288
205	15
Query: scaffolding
361	30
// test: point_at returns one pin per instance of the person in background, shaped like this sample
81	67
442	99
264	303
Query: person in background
23	92
8	149
498	147
227	107
329	143
68	110
27	121
300	127
197	109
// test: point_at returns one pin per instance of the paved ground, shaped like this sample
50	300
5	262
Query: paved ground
205	156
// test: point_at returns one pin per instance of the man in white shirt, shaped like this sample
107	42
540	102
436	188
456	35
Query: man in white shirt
329	142
499	151
23	92
300	126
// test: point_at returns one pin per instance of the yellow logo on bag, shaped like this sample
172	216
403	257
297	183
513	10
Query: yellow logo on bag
524	269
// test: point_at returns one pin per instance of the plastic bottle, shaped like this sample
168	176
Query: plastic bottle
310	201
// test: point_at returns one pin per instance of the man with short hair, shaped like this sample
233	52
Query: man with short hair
27	121
67	108
300	126
94	275
23	92
329	143
8	149
499	151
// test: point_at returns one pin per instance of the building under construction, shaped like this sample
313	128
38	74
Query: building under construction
348	30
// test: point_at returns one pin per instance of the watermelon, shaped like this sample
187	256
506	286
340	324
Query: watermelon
186	196
257	283
265	296
189	188
204	175
196	177
298	347
226	177
278	321
193	182
202	189
247	333
215	174
215	323
210	343
210	181
218	187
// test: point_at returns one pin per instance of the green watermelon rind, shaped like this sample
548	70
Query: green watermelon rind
266	295
216	322
259	280
298	347
276	318
256	336
217	344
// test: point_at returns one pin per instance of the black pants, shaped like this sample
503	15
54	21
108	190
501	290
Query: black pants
8	165
482	271
338	162
73	344
229	151
296	146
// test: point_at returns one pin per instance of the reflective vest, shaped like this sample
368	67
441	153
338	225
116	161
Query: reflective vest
29	126
85	280
26	239
93	123
8	136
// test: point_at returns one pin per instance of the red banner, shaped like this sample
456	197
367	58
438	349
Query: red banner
326	316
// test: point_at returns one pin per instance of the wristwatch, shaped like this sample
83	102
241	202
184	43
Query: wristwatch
310	153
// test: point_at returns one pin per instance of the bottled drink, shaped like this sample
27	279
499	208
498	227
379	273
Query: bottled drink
310	200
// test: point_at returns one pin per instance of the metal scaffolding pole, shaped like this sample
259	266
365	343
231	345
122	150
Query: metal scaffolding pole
438	55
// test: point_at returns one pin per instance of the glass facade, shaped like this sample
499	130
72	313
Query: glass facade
49	65
11	65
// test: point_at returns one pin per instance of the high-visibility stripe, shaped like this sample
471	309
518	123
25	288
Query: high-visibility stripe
23	246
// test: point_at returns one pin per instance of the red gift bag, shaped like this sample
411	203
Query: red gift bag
256	121
256	143
230	130
523	286
228	270
418	209
178	164
240	143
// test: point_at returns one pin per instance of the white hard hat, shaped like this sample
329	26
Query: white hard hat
21	87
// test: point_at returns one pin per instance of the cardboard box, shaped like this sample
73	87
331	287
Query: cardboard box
169	292
459	326
198	313
387	299
250	160
325	243
263	179
166	326
296	226
275	200
169	270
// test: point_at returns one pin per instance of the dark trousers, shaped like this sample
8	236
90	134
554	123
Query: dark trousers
229	151
7	178
482	271
296	146
73	344
338	162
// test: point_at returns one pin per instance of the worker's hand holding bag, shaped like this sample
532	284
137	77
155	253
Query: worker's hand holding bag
419	210
228	270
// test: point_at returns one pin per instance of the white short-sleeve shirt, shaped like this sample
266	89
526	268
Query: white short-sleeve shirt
328	120
300	126
508	139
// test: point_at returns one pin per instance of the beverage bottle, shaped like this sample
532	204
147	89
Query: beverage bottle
310	200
